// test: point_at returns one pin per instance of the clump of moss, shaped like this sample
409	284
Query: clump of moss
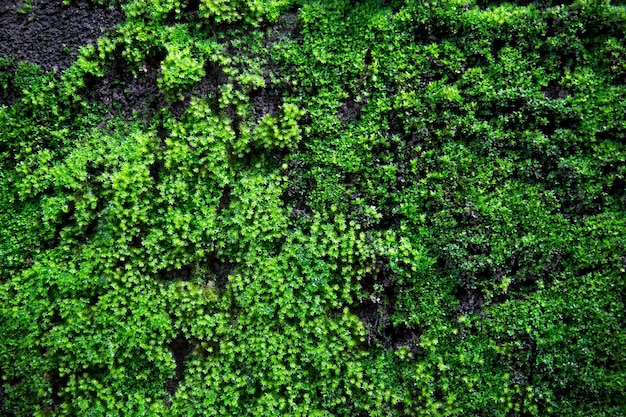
338	208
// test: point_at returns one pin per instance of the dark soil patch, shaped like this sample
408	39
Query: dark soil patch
7	90
120	90
286	27
209	84
376	311
381	331
220	271
58	383
350	110
266	101
180	348
126	93
50	33
471	300
556	91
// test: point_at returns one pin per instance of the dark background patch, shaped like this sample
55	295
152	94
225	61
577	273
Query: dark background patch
50	33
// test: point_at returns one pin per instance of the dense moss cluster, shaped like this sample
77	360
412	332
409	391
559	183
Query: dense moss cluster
350	208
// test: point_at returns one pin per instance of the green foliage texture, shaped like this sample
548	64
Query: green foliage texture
377	208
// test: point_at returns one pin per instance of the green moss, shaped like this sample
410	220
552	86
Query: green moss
343	208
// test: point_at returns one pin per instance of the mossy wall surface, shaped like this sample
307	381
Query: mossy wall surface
316	208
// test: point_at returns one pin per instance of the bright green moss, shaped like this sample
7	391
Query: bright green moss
341	208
